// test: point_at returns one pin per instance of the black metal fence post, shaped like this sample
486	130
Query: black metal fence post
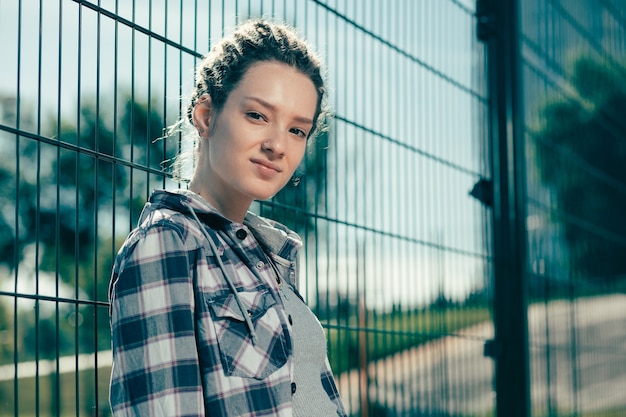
498	27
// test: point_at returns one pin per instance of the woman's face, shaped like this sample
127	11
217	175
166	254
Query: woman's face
257	141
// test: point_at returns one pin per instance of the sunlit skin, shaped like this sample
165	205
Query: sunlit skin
251	149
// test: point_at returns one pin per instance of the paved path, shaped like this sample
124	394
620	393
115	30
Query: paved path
598	381
450	376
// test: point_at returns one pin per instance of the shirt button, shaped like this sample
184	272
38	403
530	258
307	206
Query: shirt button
290	320
241	234
293	387
259	265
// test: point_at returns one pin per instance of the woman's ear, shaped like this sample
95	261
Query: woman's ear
202	112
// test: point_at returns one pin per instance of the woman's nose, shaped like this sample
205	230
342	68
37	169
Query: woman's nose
275	144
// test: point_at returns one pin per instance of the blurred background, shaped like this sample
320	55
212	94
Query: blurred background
463	216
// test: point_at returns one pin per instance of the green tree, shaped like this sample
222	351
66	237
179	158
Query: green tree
580	152
58	198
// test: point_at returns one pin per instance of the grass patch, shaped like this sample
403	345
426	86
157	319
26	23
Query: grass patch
38	396
387	333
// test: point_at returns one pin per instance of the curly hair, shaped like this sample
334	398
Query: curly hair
254	41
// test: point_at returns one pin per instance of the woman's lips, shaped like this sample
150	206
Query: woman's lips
266	168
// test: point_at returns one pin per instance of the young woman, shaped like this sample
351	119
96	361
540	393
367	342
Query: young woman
205	315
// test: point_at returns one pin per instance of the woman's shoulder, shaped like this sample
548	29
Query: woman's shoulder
166	213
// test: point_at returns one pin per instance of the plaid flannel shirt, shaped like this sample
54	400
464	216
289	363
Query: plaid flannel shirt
181	343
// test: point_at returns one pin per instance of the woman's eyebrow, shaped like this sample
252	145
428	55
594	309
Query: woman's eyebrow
301	119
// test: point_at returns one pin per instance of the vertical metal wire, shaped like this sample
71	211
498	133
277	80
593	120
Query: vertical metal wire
37	224
17	244
181	110
416	383
116	43
363	272
57	222
369	113
426	135
37	215
165	77
302	220
77	392
378	117
453	234
131	116
148	138
96	185
393	117
114	178
326	224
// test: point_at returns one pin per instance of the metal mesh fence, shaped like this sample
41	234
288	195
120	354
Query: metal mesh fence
573	72
397	260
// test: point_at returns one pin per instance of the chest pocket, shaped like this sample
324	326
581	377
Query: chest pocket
238	355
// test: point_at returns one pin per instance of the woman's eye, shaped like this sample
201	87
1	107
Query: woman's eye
254	115
299	132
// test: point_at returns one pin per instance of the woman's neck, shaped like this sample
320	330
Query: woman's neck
224	206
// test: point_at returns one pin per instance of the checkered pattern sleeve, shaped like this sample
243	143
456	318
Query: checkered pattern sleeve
328	382
155	371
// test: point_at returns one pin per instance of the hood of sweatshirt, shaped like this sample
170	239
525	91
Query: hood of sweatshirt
276	239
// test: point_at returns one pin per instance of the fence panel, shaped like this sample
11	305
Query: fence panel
574	75
397	258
